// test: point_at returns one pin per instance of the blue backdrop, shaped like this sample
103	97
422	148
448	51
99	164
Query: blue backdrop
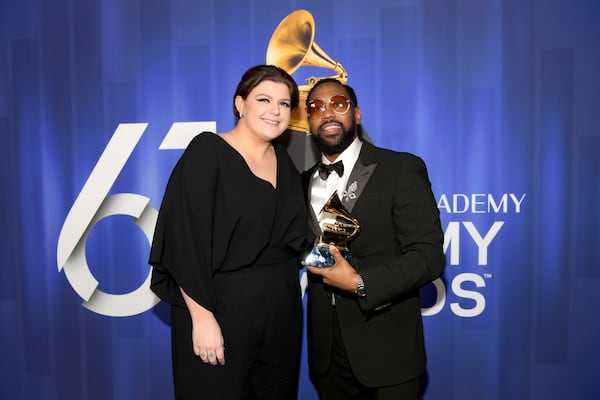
500	98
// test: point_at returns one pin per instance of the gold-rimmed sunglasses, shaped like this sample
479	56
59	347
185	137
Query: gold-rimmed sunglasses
339	104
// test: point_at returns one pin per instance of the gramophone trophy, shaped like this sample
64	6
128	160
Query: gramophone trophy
291	46
338	227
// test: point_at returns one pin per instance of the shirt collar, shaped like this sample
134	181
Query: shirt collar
348	157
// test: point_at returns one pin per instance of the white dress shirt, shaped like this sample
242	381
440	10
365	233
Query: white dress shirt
321	190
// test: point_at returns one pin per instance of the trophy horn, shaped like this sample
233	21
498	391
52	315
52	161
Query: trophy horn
291	46
345	222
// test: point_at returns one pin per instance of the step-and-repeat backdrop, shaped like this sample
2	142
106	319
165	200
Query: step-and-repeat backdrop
99	98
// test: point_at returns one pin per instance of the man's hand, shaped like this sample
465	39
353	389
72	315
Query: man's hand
342	275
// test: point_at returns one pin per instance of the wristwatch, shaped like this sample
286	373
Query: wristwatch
360	287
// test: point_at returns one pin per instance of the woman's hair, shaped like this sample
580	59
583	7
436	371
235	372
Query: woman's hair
255	75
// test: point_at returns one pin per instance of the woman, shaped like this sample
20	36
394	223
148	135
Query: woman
224	252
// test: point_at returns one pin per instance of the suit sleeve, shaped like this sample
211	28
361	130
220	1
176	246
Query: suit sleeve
417	257
181	253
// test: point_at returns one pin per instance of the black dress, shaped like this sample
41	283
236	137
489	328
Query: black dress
229	239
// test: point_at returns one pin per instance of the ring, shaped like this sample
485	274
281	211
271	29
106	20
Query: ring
211	355
203	355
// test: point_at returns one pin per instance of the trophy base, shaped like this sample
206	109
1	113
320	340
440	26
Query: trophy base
321	257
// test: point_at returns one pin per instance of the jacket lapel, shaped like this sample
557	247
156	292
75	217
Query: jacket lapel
360	175
313	223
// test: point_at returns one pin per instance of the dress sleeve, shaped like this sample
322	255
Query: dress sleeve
181	249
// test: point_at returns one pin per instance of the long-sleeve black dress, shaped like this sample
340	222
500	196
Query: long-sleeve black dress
229	239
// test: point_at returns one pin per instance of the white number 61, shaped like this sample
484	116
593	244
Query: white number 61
93	204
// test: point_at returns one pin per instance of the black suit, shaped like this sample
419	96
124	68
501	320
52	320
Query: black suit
399	249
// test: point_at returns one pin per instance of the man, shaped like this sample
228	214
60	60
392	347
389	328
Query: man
365	332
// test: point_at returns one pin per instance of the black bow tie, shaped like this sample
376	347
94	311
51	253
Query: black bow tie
326	169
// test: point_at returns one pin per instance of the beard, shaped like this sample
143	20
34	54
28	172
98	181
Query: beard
335	148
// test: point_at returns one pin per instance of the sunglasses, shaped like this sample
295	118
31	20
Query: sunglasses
339	104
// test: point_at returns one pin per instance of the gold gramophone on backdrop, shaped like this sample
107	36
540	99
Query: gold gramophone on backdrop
291	46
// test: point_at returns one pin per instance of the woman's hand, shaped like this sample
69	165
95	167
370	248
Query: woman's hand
207	340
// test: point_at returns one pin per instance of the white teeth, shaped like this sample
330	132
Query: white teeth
330	127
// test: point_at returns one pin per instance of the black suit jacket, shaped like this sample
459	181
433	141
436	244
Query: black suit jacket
399	249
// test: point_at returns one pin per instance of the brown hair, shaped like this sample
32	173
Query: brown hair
255	75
